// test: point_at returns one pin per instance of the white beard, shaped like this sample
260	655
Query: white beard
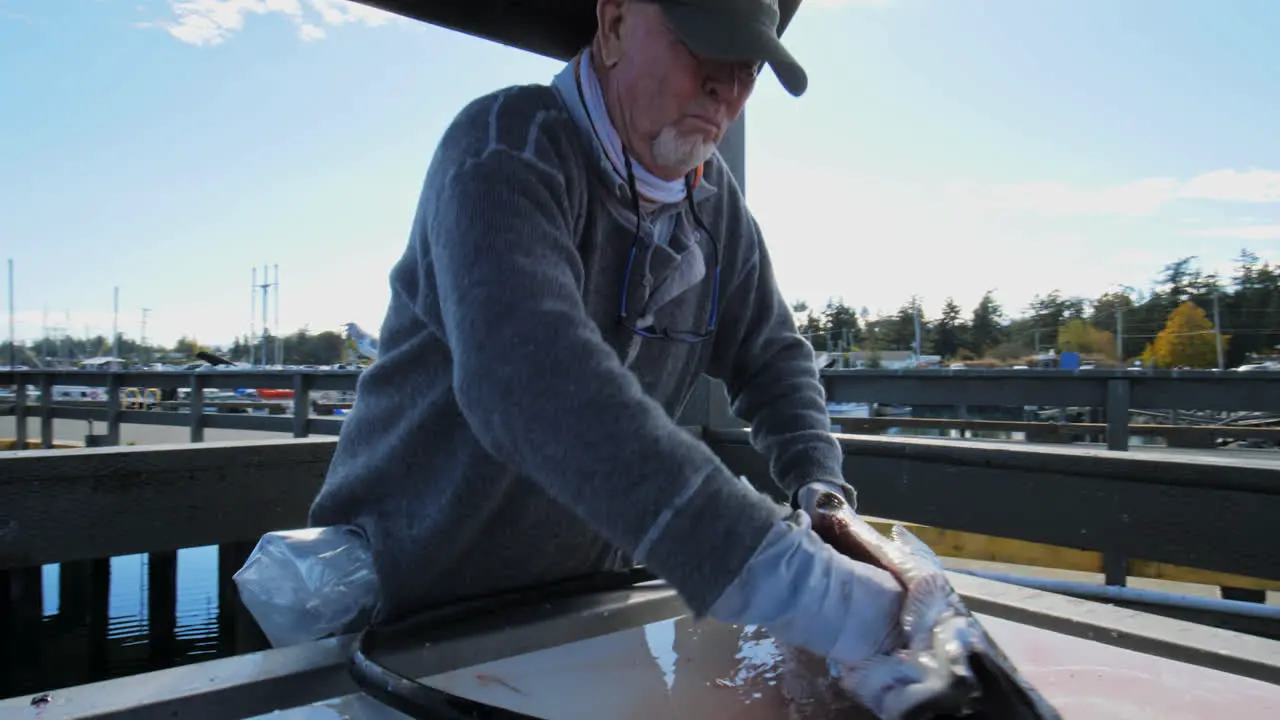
686	152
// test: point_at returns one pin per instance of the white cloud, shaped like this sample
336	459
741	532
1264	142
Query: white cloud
1253	186
308	32
829	4
211	22
1243	232
1141	197
876	241
1137	198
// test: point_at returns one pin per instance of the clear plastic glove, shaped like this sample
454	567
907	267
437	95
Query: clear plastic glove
807	496
310	583
808	595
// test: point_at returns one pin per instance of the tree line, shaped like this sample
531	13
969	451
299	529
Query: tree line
301	347
1169	324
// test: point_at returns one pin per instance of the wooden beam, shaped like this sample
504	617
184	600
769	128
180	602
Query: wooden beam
989	548
61	505
1179	508
84	503
554	28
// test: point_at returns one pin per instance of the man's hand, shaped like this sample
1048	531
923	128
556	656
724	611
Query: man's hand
807	594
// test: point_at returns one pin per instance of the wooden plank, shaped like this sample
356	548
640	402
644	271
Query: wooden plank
10	445
1169	508
60	505
936	388
1185	435
1137	504
1055	388
219	421
975	546
219	379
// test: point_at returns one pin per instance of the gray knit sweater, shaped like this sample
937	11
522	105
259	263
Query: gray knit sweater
511	431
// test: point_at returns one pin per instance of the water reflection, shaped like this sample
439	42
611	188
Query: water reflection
75	642
677	668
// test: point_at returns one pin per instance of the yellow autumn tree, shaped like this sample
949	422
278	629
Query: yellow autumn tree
187	347
1187	340
1082	337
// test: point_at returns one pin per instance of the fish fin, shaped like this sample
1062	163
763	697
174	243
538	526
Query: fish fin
875	683
904	537
928	599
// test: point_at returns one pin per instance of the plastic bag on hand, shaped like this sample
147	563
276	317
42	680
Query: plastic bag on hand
307	584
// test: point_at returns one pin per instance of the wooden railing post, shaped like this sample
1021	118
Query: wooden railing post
195	402
46	412
20	414
301	404
162	606
1115	565
1118	392
113	409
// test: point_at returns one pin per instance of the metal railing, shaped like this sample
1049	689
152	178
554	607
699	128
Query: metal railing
299	423
1113	393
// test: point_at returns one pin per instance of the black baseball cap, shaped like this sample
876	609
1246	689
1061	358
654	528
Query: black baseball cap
736	30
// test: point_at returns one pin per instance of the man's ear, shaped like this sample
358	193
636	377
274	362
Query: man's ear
609	31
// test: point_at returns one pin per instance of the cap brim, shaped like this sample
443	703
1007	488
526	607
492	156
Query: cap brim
715	36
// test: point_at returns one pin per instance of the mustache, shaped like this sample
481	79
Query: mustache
708	109
709	112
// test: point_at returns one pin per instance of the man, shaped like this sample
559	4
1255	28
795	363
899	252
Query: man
579	256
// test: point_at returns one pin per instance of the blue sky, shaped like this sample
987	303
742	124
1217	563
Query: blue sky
944	148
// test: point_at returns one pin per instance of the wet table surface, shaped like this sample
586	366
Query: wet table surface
711	671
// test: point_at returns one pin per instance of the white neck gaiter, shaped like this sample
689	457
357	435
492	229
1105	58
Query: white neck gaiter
650	186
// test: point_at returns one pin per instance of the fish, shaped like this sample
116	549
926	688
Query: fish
948	665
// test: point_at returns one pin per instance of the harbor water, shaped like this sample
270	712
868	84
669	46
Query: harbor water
70	647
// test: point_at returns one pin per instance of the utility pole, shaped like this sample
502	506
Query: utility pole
266	287
917	324
253	314
1120	335
279	339
13	333
115	330
1217	328
143	341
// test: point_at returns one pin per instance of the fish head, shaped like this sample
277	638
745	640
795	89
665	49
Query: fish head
833	519
958	674
949	666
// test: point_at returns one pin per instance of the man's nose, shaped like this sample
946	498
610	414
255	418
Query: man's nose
728	82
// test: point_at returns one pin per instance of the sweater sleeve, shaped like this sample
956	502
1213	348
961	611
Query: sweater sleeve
772	379
543	391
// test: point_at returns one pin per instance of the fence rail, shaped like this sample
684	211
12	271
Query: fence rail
1113	393
299	423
